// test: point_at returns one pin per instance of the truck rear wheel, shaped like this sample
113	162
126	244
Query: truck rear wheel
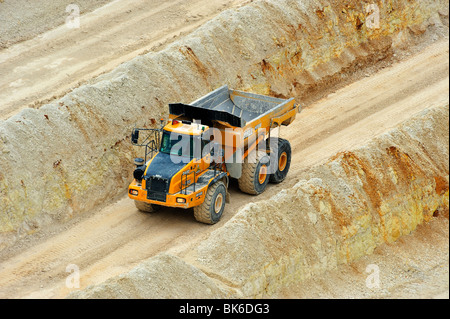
282	162
211	210
255	176
146	207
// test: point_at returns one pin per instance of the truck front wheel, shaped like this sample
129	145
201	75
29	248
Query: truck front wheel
146	207
211	210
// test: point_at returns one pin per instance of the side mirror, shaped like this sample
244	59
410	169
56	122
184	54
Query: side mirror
135	136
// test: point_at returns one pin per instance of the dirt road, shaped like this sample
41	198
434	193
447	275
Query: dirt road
48	66
110	241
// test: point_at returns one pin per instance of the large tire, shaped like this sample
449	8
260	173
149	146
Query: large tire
282	162
211	210
146	207
254	177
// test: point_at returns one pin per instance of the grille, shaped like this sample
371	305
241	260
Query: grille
160	185
157	189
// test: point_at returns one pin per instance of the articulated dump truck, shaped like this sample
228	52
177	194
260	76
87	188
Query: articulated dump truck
190	159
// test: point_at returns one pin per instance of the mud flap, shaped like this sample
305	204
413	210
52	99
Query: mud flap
235	169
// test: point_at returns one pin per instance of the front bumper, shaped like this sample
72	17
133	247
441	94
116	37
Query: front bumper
177	200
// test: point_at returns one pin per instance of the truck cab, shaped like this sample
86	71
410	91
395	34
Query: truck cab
180	172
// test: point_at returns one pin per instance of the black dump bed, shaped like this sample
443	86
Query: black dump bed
233	107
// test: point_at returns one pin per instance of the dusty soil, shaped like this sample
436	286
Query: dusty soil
49	65
110	241
416	266
23	20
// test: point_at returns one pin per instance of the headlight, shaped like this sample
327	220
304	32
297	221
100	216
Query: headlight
181	200
134	192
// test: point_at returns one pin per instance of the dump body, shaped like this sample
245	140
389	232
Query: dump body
236	109
242	120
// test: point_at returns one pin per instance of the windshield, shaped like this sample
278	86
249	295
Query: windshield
180	145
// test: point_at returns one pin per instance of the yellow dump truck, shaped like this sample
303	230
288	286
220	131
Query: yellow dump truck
190	159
